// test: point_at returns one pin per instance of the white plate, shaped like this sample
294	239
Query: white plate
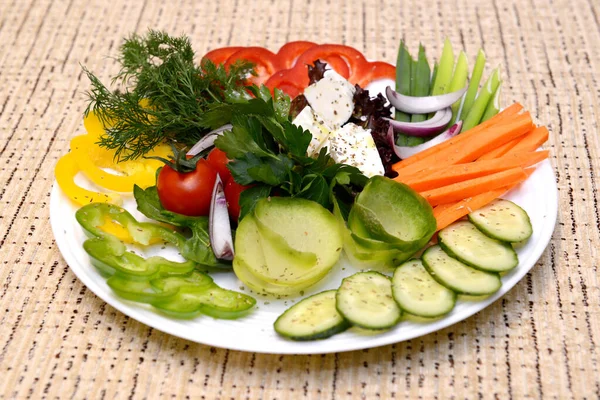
254	333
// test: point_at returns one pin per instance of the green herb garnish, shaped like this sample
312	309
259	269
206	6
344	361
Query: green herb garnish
164	94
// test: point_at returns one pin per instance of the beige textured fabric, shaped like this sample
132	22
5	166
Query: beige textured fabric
58	340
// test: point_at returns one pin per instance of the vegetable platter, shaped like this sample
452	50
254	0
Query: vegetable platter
303	201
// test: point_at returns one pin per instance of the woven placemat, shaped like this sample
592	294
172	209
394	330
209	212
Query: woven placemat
58	340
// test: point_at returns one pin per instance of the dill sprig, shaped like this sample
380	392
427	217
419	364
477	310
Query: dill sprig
164	94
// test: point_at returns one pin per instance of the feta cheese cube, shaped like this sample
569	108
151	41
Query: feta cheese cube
307	120
354	146
331	98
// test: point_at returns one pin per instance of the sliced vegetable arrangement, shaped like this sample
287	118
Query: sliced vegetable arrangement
270	165
467	262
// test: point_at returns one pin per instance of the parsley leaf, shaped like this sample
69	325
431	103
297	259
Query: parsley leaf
251	196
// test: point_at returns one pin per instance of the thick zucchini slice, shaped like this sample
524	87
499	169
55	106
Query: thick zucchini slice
365	299
273	272
463	241
305	225
418	293
458	276
503	220
257	284
314	317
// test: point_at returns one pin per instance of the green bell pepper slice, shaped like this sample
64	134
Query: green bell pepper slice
140	291
111	255
205	298
93	217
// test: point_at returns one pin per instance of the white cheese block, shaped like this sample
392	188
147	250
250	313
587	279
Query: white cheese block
331	98
354	146
307	120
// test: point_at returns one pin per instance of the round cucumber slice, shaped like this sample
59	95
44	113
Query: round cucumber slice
458	276
365	299
418	293
314	317
463	241
503	220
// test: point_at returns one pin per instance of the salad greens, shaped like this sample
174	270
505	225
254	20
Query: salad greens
268	151
196	247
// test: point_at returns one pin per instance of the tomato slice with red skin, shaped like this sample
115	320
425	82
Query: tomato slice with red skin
265	62
290	52
219	56
378	70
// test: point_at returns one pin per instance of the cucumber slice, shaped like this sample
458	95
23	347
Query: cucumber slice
463	241
503	220
314	317
365	299
418	293
458	276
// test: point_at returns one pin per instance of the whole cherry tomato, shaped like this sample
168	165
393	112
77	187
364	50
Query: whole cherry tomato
187	193
232	195
218	160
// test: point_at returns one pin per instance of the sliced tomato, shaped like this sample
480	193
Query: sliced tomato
233	190
355	61
265	62
219	56
377	70
289	52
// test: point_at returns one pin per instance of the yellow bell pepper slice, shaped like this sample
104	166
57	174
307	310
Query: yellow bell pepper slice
65	171
91	158
88	157
114	228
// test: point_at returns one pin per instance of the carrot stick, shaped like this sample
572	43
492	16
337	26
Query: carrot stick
442	208
532	141
438	177
502	116
502	150
455	211
474	147
473	187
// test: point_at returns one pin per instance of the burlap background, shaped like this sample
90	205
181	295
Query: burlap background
58	340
